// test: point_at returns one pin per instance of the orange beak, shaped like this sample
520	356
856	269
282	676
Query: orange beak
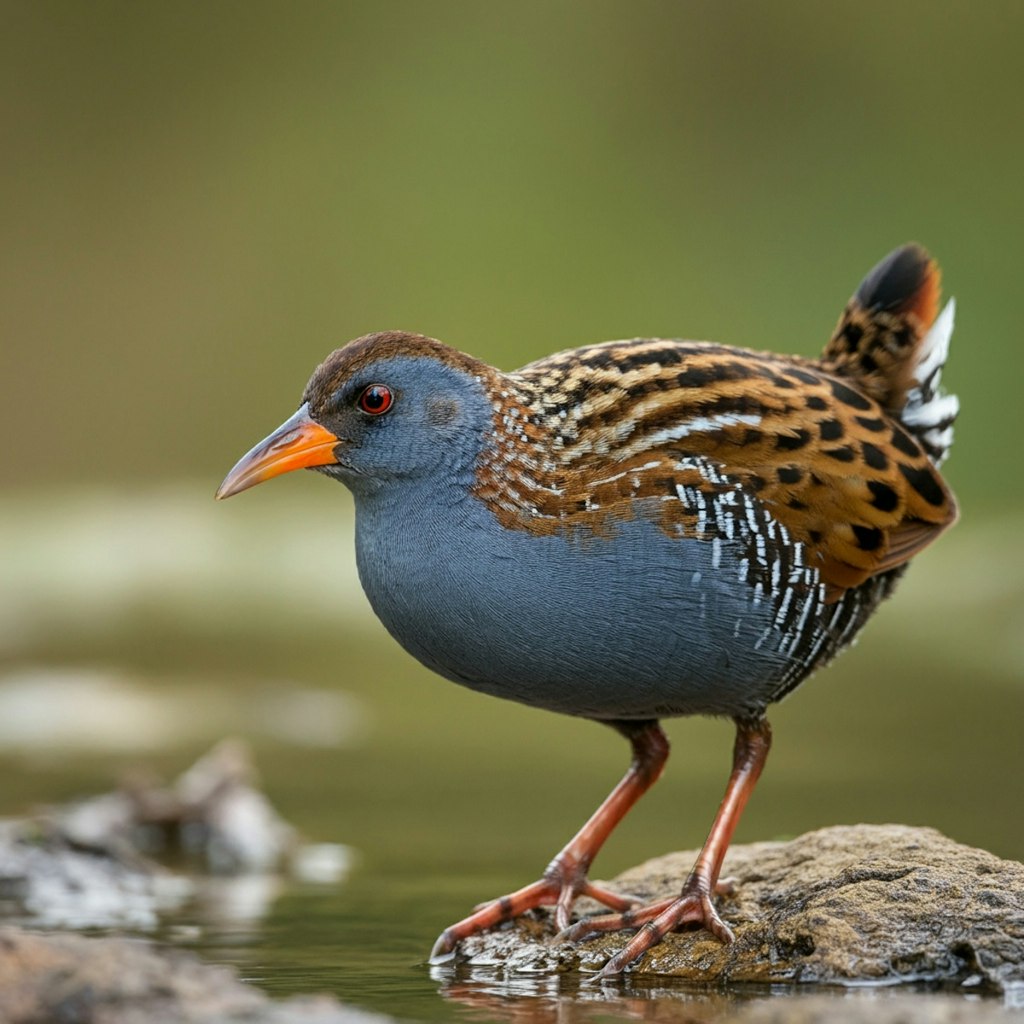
299	443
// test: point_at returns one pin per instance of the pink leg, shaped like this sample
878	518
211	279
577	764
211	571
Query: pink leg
693	905
566	876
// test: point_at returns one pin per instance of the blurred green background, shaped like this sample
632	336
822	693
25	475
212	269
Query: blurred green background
199	200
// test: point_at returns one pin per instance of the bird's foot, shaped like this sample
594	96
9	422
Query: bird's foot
560	887
654	921
591	927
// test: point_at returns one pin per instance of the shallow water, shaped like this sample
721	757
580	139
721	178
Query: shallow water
159	623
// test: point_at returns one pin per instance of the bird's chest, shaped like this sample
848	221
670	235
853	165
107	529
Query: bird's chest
631	623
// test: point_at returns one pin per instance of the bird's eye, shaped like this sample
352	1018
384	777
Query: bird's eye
376	399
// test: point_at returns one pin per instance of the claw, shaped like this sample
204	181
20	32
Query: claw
439	959
443	949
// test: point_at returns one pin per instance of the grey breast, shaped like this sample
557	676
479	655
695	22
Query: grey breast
640	624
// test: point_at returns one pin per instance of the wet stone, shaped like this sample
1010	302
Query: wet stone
875	904
49	882
80	980
94	863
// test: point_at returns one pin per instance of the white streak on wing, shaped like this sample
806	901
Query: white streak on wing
727	521
762	549
751	516
836	615
787	600
716	552
610	479
702	424
824	632
798	629
702	510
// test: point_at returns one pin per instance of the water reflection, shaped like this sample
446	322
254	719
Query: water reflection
481	995
566	999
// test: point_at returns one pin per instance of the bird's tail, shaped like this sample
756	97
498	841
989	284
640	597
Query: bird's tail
893	342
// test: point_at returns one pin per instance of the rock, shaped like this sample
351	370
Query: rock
79	980
88	864
213	814
878	904
49	882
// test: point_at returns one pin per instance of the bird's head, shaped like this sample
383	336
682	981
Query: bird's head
385	407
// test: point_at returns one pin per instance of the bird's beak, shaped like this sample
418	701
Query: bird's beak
299	443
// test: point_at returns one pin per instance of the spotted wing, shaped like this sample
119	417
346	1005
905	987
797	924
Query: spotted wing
639	419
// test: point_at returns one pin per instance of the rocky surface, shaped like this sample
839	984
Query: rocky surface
77	980
852	905
90	864
213	814
47	881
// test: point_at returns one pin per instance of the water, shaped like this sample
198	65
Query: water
140	628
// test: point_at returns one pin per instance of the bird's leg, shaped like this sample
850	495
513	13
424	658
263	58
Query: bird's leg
693	905
566	876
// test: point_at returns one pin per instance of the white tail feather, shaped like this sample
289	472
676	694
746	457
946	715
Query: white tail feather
927	411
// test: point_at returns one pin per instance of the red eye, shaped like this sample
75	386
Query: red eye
376	399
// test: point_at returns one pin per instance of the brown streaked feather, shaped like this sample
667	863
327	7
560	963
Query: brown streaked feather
613	424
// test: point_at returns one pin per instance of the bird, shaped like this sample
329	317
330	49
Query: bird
635	530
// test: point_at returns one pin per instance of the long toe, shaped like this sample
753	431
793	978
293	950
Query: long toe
561	892
589	927
613	900
691	908
563	909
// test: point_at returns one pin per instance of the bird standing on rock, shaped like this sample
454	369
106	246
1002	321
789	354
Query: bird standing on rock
637	529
